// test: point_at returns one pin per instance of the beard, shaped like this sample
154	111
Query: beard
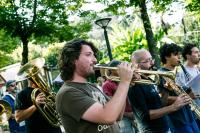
90	76
196	61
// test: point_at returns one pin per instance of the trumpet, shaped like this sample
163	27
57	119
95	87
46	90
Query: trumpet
105	71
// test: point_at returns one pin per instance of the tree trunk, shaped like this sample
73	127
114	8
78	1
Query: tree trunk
25	50
152	45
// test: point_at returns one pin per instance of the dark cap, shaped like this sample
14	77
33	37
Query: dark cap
114	63
9	82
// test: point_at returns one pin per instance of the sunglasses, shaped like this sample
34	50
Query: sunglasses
13	85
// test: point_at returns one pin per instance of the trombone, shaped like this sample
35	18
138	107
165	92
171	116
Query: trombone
105	71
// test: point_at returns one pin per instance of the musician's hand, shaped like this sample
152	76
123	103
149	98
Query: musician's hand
125	72
194	95
181	101
136	76
168	86
40	99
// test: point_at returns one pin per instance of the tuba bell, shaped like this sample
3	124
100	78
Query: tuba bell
31	71
5	112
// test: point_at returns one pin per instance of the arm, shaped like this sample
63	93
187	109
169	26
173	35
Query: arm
109	89
179	102
122	113
157	113
109	112
21	115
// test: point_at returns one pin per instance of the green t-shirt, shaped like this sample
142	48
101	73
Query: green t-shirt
72	100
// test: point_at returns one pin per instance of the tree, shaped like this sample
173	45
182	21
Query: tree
119	6
193	5
7	43
32	19
149	33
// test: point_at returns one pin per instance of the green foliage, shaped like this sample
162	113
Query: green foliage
80	30
5	59
35	51
124	41
192	22
162	5
134	40
117	7
7	43
40	19
51	54
159	34
193	5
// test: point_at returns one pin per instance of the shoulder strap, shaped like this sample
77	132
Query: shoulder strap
187	75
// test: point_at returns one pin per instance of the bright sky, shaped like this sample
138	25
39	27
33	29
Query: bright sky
93	6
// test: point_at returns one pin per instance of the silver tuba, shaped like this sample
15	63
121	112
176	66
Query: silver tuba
31	71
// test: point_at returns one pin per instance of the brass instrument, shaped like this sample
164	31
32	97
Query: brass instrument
178	90
31	71
5	112
156	74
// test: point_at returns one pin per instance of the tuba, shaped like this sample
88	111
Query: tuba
31	71
5	112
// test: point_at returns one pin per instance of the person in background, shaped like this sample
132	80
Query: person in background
26	111
57	83
82	106
100	82
182	120
190	70
146	103
109	88
11	88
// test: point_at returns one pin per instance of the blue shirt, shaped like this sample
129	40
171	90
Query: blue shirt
181	117
13	125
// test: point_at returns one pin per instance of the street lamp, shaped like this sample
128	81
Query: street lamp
103	23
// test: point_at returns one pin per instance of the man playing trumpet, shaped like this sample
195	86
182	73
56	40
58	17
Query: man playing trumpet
146	103
82	106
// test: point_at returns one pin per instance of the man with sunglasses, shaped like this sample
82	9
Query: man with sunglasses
10	98
145	100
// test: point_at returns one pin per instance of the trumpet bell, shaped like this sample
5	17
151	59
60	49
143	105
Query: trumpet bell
5	112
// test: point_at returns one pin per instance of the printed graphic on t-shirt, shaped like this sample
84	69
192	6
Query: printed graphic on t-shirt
97	96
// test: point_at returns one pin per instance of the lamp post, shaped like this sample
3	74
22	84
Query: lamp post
103	23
